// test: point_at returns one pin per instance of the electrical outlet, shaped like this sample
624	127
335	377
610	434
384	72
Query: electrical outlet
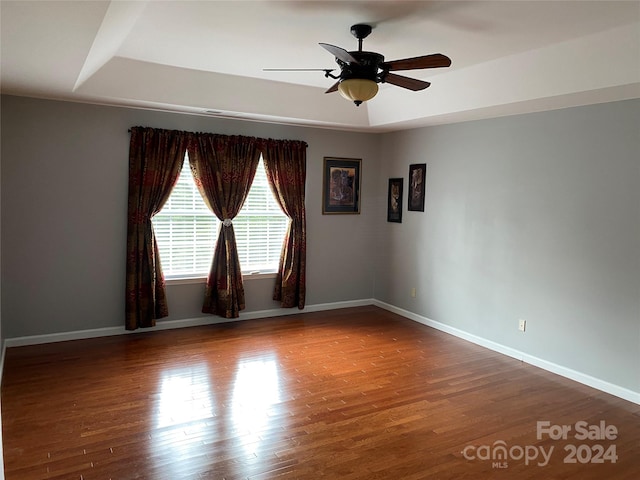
522	325
413	292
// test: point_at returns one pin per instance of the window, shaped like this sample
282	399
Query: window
186	230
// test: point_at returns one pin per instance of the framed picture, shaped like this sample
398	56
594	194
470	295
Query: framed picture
394	201
417	175
341	185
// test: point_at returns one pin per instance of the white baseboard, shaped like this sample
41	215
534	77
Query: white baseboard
172	324
579	377
3	347
585	379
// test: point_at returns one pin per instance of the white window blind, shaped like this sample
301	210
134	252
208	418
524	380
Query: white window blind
186	230
260	227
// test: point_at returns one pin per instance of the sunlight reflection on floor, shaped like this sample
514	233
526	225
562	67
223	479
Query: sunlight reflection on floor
185	395
184	408
187	429
256	389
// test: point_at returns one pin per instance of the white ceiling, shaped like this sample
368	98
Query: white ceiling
207	57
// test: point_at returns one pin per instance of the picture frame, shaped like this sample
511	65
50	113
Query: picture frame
417	187
394	200
341	185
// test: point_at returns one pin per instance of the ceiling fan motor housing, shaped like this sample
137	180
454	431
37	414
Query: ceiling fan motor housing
367	66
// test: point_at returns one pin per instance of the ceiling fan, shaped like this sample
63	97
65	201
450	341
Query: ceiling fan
361	71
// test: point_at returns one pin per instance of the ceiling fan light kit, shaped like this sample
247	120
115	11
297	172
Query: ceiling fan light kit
358	90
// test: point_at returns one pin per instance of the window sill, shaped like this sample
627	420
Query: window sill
193	280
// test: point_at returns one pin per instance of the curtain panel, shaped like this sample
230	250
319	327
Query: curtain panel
223	168
155	160
285	165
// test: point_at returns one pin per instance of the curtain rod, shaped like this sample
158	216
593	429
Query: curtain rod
306	144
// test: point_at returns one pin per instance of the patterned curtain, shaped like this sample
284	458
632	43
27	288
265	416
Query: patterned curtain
155	160
223	167
285	164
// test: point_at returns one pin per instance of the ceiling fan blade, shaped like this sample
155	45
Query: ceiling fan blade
405	82
436	60
334	87
340	53
298	69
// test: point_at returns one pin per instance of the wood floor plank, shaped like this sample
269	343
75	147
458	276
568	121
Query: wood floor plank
348	394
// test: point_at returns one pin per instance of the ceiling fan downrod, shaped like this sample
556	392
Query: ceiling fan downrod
360	31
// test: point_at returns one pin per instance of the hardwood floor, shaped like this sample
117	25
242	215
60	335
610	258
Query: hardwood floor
347	394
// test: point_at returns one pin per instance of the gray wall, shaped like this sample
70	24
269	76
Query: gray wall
64	202
533	217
